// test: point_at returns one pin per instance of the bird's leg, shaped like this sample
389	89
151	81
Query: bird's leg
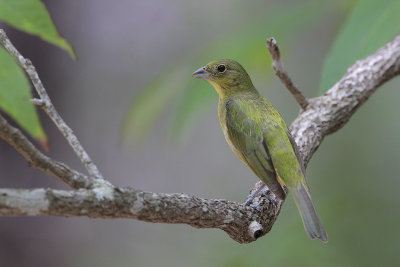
254	194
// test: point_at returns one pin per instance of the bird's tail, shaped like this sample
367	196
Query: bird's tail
312	222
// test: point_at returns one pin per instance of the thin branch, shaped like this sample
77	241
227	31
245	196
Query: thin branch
322	116
26	64
38	160
280	71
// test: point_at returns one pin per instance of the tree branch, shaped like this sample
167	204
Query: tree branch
322	116
328	113
145	206
280	71
48	106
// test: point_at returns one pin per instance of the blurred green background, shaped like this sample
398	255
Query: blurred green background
167	138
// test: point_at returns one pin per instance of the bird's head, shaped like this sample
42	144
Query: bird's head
226	75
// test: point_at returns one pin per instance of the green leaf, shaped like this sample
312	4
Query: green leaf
15	96
31	16
370	25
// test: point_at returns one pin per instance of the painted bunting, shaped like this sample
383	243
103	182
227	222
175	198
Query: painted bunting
258	135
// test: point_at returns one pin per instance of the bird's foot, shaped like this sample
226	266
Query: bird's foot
254	194
265	191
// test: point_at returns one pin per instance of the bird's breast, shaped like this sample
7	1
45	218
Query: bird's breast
222	120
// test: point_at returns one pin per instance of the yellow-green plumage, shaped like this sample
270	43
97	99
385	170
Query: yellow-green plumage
257	134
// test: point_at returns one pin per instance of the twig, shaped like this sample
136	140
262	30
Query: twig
48	106
277	65
38	102
38	160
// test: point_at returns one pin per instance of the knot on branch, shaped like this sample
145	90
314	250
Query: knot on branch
255	229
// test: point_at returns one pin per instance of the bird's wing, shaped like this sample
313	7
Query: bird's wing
282	149
297	153
244	124
290	173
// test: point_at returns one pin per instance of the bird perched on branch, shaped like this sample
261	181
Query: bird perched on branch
258	135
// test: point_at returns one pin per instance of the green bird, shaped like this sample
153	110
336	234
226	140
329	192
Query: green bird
258	135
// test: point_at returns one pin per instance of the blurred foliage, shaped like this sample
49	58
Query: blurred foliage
188	95
370	25
30	16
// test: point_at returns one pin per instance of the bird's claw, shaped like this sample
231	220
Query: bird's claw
254	194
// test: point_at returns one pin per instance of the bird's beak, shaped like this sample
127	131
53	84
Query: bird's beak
201	74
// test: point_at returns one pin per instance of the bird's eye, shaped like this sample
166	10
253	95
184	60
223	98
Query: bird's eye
221	68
